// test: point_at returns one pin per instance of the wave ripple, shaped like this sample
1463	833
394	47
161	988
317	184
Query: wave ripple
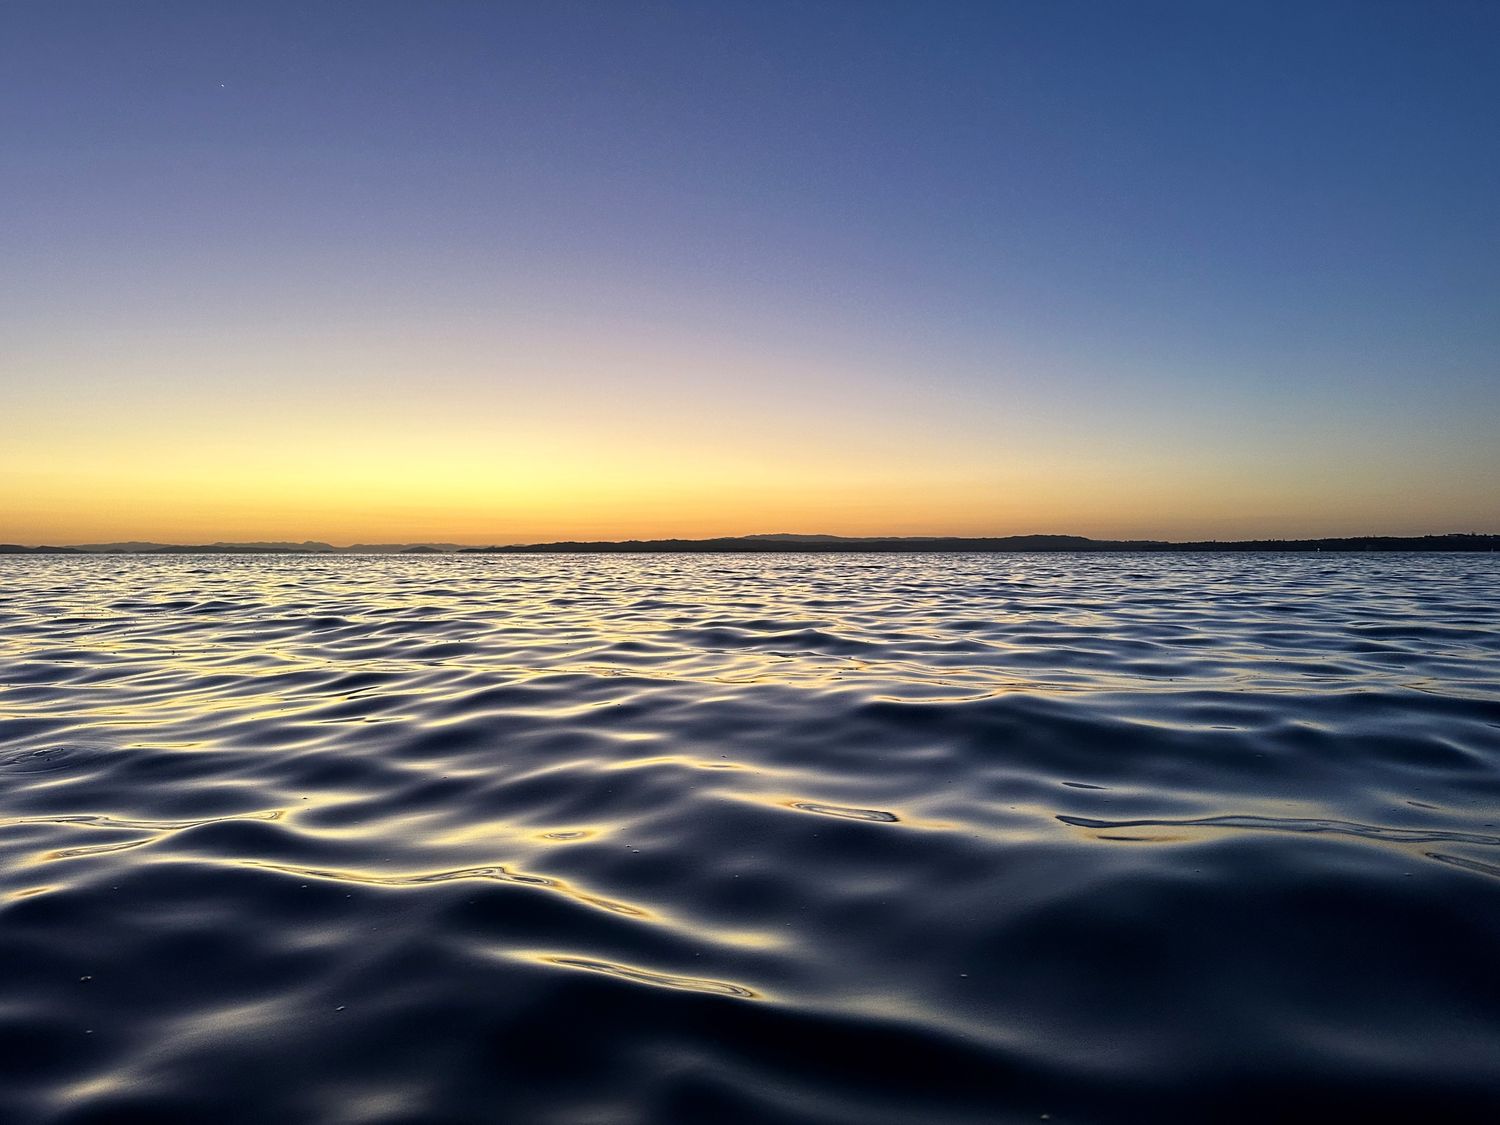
757	838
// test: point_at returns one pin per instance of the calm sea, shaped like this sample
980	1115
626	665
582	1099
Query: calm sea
850	838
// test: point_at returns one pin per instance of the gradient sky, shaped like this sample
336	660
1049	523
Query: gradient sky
499	272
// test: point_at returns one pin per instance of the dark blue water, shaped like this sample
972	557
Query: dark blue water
757	838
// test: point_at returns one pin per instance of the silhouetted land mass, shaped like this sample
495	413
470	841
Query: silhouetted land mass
787	543
1028	543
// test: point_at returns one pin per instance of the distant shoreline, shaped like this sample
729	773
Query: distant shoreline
808	544
1019	544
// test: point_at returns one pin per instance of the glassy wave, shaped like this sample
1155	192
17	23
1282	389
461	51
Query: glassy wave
578	839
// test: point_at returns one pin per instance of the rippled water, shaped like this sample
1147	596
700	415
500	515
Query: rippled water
751	838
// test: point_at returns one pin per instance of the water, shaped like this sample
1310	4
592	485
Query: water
754	838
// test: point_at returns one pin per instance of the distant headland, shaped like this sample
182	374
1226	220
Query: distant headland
804	544
785	543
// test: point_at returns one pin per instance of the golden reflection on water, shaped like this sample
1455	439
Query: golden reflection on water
569	835
648	977
686	761
493	873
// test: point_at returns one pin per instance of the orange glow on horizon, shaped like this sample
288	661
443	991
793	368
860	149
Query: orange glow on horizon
550	463
393	500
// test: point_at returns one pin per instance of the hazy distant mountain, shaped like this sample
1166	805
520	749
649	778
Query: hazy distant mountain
307	545
112	548
789	543
401	548
789	536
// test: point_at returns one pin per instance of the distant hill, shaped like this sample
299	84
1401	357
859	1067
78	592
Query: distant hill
130	546
791	543
401	548
784	543
790	537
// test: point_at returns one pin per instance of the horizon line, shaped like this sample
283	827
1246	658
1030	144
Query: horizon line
751	542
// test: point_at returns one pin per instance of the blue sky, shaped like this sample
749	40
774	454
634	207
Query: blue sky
1121	259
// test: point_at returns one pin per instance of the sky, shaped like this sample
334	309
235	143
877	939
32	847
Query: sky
488	272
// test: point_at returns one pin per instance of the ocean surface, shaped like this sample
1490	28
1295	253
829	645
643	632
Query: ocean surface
850	838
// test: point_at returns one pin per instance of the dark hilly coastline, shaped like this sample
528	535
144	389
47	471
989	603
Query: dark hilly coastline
791	544
1023	543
